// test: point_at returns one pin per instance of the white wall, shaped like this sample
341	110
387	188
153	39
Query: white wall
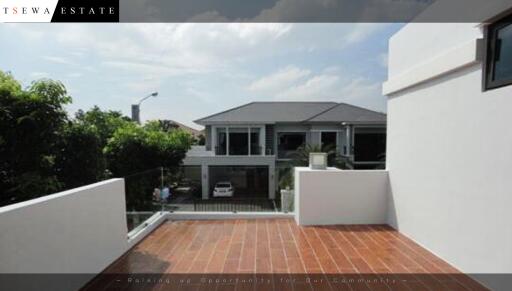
335	196
450	155
82	230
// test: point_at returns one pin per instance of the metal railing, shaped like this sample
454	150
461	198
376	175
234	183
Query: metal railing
220	151
236	205
255	151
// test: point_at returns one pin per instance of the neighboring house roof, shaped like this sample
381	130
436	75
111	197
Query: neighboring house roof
349	113
192	131
277	112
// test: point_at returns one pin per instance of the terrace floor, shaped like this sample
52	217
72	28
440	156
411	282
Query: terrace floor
270	248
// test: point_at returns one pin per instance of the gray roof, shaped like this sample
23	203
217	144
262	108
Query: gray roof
349	113
290	112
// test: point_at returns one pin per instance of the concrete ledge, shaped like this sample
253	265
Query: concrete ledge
453	60
227	215
140	232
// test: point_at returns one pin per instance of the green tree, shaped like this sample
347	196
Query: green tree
30	122
200	140
135	149
104	122
80	158
43	152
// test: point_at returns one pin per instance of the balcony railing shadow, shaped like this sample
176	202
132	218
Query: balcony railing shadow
236	205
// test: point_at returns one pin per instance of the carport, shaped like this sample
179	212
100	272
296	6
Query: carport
249	181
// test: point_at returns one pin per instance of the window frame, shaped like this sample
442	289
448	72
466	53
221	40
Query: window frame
490	43
215	140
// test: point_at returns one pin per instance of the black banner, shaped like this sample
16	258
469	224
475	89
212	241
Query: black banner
86	11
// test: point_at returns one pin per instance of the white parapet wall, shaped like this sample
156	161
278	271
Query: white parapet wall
79	231
336	196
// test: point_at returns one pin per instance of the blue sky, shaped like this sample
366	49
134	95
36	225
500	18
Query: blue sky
200	69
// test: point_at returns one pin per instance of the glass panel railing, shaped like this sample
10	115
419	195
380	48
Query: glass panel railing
236	205
142	190
184	185
215	188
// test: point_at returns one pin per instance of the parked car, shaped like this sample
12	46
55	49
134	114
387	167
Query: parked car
223	189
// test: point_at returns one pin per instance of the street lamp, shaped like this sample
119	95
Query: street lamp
136	107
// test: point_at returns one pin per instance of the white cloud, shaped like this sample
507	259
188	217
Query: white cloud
190	48
208	16
279	80
39	75
329	84
362	31
138	58
75	75
320	87
59	60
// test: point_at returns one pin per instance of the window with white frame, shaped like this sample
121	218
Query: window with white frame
238	140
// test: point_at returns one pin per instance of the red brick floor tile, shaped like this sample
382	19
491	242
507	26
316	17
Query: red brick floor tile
279	246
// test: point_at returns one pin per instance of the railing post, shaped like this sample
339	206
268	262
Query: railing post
162	188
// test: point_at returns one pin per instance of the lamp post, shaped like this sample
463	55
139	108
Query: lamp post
136	107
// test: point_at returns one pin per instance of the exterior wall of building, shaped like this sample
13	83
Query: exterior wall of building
449	149
206	158
315	139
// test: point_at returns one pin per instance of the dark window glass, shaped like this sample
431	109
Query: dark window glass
329	140
499	56
238	141
220	148
369	147
289	143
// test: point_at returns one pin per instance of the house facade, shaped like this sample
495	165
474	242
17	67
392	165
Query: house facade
247	145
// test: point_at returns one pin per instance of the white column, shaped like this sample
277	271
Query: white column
214	140
204	181
227	140
263	141
249	139
348	142
271	182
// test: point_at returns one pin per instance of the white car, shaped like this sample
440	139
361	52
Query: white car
223	189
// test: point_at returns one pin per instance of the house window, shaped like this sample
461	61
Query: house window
369	147
289	142
499	54
238	141
328	139
220	148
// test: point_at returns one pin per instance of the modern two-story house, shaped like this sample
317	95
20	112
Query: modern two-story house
247	144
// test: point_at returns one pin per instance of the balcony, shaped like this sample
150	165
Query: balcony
239	151
109	235
360	257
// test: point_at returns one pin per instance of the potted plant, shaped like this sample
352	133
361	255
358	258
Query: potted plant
286	186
